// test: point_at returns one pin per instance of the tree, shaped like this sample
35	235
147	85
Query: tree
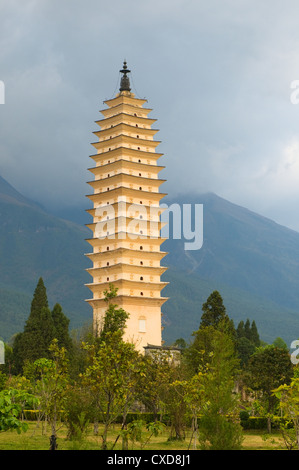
39	300
114	367
111	378
61	325
51	386
240	331
280	343
245	350
115	318
199	353
34	341
12	403
288	396
247	340
268	368
192	392
41	327
213	310
219	423
255	338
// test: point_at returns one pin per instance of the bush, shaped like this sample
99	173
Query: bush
258	422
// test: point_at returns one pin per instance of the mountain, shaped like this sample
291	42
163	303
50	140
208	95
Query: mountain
34	243
251	260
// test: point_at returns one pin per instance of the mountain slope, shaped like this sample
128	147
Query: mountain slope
252	261
33	244
248	255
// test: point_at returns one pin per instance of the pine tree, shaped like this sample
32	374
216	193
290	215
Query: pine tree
61	325
39	301
247	330
254	334
213	310
240	330
33	343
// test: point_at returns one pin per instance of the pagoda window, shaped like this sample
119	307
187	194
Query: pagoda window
141	278
107	278
107	248
140	188
107	263
141	248
141	293
139	174
142	325
139	161
141	263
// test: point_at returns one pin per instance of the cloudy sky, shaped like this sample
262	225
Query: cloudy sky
218	75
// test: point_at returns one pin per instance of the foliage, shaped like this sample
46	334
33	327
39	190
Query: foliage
219	422
136	432
12	404
51	384
41	328
214	310
111	377
288	396
268	368
115	318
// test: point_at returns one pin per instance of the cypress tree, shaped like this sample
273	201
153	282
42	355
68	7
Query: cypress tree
255	338
213	310
61	325
39	301
33	343
240	330
247	329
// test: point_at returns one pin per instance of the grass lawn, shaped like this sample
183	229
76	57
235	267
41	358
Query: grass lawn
38	439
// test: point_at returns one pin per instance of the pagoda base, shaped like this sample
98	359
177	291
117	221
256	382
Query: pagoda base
143	327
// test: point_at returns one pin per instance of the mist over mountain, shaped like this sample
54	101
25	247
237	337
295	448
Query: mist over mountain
251	260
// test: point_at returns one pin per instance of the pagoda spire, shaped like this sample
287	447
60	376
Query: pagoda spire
125	82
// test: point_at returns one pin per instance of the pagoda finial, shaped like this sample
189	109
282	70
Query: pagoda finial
125	82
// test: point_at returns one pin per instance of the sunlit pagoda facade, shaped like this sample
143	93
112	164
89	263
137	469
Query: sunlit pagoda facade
126	217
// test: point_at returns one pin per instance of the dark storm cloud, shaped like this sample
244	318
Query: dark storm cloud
217	74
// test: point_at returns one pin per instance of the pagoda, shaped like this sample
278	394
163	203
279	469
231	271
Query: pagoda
126	217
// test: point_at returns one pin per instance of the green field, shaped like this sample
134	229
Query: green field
37	438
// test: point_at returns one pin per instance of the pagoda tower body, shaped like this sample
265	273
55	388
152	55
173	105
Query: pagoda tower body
126	226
